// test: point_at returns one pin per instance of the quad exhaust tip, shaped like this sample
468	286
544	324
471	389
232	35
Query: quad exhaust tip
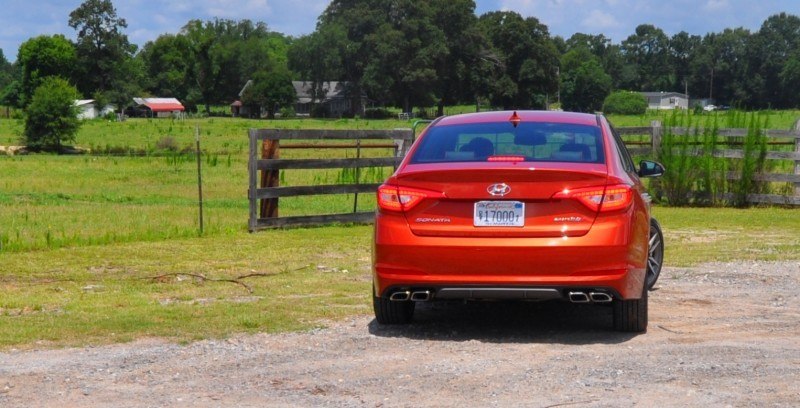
578	297
400	296
600	297
583	297
416	296
421	296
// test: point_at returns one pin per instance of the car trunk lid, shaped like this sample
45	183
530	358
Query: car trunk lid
532	192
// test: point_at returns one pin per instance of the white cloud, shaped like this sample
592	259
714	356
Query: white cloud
598	20
250	9
717	5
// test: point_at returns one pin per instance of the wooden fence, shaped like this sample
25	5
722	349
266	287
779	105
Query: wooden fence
774	137
264	195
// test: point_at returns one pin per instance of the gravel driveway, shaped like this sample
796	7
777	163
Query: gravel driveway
720	334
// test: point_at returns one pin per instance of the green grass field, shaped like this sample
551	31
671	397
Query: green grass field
102	248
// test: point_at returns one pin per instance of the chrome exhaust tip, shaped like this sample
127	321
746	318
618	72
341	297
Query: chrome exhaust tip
421	296
600	297
400	296
578	297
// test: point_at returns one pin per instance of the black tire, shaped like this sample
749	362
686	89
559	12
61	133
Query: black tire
655	254
389	312
631	315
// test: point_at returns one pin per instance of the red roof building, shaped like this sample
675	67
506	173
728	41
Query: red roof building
160	107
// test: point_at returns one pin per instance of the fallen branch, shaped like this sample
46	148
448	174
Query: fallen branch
669	330
201	277
237	280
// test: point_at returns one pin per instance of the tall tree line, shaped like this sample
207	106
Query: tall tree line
409	54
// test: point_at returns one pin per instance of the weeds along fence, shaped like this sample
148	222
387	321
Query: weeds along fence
709	165
264	194
706	165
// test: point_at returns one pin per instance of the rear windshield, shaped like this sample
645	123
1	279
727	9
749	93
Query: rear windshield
553	142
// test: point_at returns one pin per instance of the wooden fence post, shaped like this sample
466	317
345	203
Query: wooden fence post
252	165
655	139
270	149
797	159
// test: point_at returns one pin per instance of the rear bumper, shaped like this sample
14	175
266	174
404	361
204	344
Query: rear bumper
610	257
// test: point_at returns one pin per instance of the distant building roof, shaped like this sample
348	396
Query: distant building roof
82	102
663	94
160	104
330	90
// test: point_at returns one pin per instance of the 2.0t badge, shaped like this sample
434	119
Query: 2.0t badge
499	189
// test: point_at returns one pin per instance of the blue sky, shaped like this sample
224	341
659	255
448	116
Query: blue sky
617	19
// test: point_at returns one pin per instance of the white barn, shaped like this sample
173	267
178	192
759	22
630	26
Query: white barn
87	109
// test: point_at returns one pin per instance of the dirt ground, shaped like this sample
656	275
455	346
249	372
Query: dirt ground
719	335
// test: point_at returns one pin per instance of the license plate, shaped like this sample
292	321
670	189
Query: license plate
499	214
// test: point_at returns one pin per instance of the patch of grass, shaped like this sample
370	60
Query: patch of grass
81	236
697	235
101	294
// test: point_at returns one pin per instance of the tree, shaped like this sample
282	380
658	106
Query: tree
10	88
51	117
528	57
585	88
271	90
720	68
102	48
316	57
648	51
11	95
777	41
6	71
466	51
790	78
224	54
387	48
41	57
608	54
167	63
682	49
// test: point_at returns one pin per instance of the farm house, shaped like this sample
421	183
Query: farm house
334	100
666	100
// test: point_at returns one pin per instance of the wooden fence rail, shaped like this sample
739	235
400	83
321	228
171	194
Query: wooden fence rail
264	194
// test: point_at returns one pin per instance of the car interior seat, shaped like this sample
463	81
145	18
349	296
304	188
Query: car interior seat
480	146
574	152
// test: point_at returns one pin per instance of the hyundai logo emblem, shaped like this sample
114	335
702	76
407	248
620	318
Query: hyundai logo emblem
499	190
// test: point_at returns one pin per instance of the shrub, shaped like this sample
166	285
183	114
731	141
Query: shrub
288	112
167	143
377	113
625	103
51	118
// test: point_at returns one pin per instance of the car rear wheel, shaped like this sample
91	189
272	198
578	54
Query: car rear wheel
655	254
392	312
631	315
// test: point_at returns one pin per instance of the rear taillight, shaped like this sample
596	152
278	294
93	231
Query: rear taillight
402	199
608	198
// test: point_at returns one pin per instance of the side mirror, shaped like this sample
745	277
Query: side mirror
649	168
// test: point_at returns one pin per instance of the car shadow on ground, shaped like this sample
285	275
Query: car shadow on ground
508	322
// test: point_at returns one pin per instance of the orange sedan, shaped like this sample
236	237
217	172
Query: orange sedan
524	205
